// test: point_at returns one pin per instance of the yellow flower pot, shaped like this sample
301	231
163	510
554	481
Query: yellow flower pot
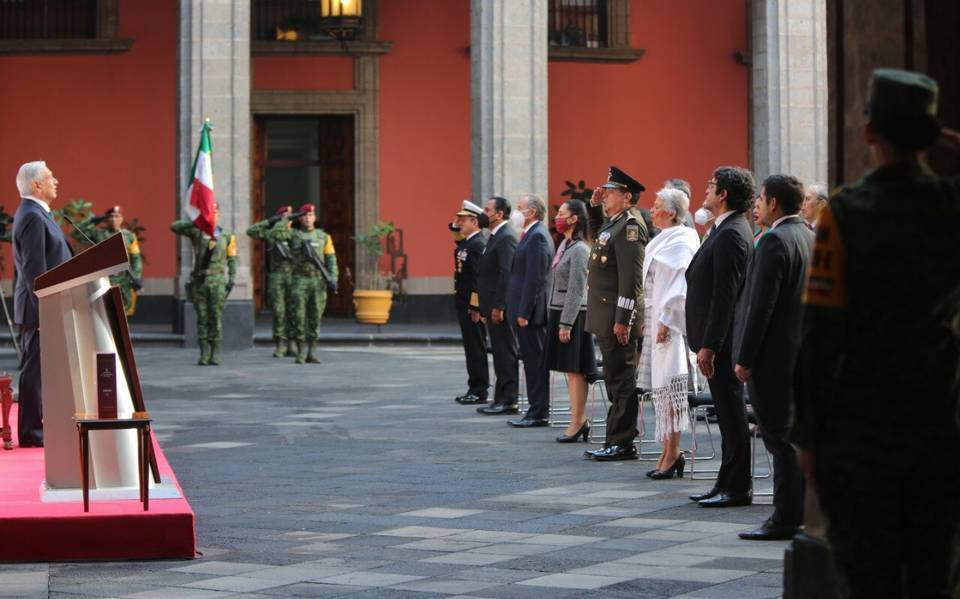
372	305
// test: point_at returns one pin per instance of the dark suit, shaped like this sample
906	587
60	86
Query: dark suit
493	280
466	260
767	337
714	278
38	246
530	280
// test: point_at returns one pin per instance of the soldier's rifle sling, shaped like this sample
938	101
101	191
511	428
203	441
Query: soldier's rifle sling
200	272
316	261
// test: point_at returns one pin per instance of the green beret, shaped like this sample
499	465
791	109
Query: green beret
902	107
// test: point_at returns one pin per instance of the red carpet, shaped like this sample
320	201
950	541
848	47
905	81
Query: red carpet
35	531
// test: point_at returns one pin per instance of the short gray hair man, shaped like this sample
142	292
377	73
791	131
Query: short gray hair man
28	174
676	201
535	203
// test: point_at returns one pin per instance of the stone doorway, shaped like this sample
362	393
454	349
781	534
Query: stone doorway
300	159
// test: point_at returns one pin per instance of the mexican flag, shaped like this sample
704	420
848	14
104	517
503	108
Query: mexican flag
199	202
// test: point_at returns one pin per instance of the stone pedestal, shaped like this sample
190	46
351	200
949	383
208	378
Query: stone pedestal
215	83
789	96
508	57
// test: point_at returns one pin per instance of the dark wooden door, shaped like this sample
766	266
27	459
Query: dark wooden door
300	160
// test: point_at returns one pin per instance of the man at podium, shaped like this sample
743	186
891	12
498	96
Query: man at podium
38	245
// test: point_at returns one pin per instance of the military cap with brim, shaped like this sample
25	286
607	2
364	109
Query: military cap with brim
470	209
902	107
617	179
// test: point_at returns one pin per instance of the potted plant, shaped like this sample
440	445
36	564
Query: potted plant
373	293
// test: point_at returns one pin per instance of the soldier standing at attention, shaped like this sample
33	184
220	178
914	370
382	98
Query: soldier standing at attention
280	273
314	272
466	259
130	281
879	357
211	280
615	305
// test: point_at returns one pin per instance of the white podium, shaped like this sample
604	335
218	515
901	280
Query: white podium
81	315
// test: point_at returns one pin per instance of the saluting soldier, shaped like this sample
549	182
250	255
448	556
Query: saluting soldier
466	260
130	281
280	273
615	304
314	273
211	280
876	372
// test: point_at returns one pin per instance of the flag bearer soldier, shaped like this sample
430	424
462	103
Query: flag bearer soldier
314	272
280	277
466	260
211	280
131	280
615	304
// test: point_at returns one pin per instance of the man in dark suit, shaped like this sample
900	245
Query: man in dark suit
493	281
767	325
38	246
466	260
714	278
530	280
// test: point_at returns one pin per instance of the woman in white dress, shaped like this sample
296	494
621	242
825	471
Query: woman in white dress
664	367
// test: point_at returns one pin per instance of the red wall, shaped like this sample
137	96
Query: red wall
105	124
679	111
425	125
302	72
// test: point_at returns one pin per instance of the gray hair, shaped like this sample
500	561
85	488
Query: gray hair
28	173
680	184
821	191
674	200
535	203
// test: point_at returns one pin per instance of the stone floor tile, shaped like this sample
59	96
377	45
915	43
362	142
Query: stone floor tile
515	549
441	512
369	579
221	568
178	593
467	558
491	536
573	581
623	494
559	539
237	584
440	544
712	527
420	532
666	534
608	511
660	558
449	586
643	523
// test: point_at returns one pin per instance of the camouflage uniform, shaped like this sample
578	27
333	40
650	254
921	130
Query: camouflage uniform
309	294
210	282
130	281
279	279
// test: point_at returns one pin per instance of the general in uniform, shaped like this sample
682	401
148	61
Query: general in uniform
314	271
615	305
466	261
211	280
876	382
279	275
130	281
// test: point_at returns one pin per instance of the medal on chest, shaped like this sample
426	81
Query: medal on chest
603	239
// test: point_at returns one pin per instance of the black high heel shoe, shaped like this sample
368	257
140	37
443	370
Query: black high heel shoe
583	432
676	468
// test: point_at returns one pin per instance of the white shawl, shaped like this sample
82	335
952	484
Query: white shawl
669	254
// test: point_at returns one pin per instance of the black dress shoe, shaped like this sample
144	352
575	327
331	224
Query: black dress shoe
614	453
471	398
708	495
527	422
499	408
728	500
771	531
31	444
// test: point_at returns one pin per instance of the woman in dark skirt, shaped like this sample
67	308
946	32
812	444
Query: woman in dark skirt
569	347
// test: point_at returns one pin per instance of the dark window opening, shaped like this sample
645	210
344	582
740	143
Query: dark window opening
578	23
48	19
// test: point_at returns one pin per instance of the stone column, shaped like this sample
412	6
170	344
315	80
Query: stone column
508	58
789	96
214	73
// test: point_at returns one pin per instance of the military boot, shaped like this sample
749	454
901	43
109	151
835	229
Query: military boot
281	350
215	353
204	353
301	353
293	348
311	348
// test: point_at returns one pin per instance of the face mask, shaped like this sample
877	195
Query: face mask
702	216
516	219
561	224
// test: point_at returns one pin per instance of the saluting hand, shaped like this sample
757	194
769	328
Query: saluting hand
597	196
622	332
705	362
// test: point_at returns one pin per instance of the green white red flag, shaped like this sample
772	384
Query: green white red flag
199	202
